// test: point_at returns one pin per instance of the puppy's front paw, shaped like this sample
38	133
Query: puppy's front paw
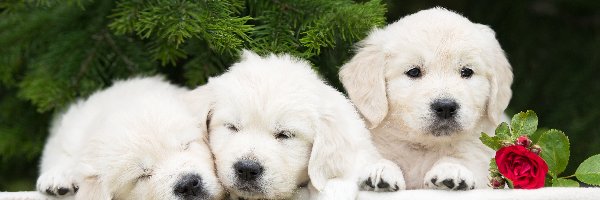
383	176
449	176
57	183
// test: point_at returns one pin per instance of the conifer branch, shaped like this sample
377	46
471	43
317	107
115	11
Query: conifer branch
132	66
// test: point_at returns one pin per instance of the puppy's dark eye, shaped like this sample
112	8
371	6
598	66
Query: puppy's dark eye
231	127
414	72
466	72
282	135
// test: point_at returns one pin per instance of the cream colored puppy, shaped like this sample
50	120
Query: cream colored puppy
428	85
135	140
276	129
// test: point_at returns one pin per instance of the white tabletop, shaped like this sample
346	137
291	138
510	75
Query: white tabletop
489	194
538	194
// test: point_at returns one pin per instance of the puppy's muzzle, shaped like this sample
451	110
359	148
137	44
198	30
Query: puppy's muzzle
248	175
444	112
444	109
248	170
190	187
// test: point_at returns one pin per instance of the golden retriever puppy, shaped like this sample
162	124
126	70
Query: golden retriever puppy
277	131
138	139
428	85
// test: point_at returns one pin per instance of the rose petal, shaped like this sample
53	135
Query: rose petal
526	169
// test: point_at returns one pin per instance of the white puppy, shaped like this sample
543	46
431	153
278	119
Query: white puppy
135	140
428	85
274	125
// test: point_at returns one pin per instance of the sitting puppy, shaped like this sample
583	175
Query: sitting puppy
428	85
275	128
135	140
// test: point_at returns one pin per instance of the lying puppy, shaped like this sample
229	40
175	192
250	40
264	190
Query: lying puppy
275	128
428	85
135	140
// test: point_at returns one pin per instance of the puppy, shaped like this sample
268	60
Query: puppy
135	140
277	131
428	85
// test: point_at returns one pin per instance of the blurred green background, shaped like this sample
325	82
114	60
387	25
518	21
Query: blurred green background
52	52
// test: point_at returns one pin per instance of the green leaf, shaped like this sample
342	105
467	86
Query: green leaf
563	182
495	142
589	171
548	181
503	132
509	183
555	150
524	123
536	136
491	142
493	164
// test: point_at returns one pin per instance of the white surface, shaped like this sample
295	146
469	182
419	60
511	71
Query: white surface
21	196
539	194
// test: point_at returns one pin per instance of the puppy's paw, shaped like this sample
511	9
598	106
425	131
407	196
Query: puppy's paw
449	176
383	176
57	183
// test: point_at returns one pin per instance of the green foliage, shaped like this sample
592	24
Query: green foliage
555	151
562	182
509	183
168	24
502	135
589	171
292	24
523	123
493	165
492	142
54	52
537	134
503	131
320	33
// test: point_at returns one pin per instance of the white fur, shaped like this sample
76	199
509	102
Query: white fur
134	140
330	145
397	107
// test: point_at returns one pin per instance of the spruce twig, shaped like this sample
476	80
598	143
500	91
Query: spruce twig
132	66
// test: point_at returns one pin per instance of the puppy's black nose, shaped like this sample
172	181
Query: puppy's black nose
189	186
248	170
444	108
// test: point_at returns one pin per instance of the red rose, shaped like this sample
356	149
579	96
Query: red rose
524	168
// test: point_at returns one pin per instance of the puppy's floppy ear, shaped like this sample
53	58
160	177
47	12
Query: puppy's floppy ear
339	133
501	77
199	101
364	80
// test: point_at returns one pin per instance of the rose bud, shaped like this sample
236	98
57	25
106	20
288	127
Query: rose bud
497	183
536	149
523	141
